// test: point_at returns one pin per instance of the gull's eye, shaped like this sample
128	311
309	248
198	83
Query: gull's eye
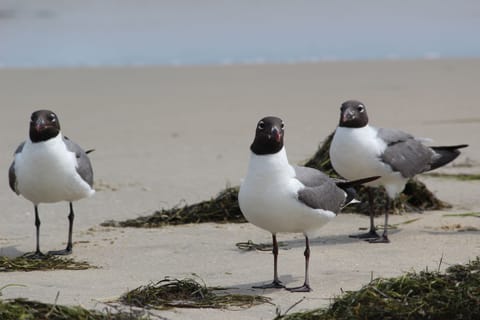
261	125
282	125
360	108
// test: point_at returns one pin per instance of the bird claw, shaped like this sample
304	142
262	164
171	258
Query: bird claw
35	255
372	234
275	284
64	252
304	288
382	239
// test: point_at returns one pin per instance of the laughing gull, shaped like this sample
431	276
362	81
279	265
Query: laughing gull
48	167
279	197
358	149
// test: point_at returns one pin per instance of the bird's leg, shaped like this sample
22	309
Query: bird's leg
276	283
306	284
68	249
37	254
372	233
384	237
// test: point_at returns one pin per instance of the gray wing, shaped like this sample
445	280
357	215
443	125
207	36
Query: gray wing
12	177
391	136
327	197
320	191
404	153
84	167
310	177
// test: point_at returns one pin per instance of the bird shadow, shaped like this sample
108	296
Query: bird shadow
11	252
332	240
248	288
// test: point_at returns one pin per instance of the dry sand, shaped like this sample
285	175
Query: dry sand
166	135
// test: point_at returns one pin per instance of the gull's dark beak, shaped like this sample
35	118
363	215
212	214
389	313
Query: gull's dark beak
40	124
348	115
276	134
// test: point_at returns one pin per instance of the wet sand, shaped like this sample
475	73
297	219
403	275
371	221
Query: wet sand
168	135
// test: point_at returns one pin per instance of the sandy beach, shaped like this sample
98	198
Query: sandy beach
168	135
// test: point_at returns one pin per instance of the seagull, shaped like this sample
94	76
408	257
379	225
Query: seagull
358	149
279	197
48	167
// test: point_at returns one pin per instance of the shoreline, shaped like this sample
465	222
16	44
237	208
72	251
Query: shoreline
244	64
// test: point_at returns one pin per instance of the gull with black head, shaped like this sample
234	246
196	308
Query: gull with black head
358	149
279	197
48	167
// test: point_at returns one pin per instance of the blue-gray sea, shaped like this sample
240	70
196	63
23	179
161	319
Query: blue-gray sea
68	33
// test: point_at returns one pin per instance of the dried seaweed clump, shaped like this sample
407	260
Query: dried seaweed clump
33	310
223	208
45	263
186	293
452	295
414	198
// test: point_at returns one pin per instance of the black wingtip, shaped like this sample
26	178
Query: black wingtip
89	151
451	148
445	155
353	183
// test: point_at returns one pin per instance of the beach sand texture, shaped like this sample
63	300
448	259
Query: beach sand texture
167	135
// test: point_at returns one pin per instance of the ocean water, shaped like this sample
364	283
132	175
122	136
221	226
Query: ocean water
63	33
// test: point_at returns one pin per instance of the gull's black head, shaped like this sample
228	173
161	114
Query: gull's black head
268	136
353	114
44	125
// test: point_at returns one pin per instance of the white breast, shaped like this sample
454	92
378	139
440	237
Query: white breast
46	172
268	197
355	153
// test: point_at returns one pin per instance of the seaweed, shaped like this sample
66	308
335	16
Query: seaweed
223	208
32	310
44	263
466	214
454	294
250	246
20	308
186	293
456	176
321	158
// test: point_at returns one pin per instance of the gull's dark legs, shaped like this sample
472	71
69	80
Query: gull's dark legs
276	283
68	249
384	237
38	253
372	233
306	284
71	217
